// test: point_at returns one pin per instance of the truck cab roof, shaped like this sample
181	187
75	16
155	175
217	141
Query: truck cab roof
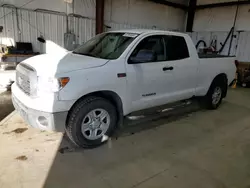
147	31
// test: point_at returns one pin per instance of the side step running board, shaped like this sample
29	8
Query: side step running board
142	114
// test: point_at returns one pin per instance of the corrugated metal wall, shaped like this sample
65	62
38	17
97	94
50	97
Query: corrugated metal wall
220	37
84	8
83	28
144	13
34	24
9	24
127	12
240	44
243	50
26	26
219	21
222	19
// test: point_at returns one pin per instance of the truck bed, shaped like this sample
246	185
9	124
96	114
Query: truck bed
211	66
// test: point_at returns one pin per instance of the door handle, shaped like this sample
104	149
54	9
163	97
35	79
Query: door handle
168	68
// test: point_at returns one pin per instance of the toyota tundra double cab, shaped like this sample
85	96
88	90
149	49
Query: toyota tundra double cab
88	91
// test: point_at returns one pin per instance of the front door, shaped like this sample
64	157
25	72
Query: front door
150	78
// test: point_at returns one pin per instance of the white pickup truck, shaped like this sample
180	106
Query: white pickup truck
87	92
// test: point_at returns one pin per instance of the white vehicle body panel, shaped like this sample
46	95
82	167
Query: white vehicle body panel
53	64
209	68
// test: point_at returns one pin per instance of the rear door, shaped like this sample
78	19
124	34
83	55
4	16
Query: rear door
184	67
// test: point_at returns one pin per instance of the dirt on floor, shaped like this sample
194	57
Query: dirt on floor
6	106
198	149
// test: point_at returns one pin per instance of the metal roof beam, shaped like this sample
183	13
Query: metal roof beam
223	4
191	15
99	16
171	4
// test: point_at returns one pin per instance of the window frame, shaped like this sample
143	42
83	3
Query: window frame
165	38
136	45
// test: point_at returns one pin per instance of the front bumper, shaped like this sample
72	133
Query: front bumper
41	120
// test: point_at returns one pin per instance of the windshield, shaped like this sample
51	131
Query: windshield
106	45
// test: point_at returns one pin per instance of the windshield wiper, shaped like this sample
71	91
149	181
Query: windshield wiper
87	54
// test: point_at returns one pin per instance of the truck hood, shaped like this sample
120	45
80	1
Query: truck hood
52	64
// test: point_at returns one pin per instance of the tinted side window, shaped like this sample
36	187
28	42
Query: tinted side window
150	49
176	48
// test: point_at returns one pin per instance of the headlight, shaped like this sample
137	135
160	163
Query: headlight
49	85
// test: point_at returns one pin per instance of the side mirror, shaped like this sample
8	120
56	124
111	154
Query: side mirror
143	56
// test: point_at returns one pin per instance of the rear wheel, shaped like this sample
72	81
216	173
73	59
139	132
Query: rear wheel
216	93
91	122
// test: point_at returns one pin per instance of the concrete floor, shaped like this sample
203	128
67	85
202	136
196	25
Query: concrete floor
6	106
6	77
199	149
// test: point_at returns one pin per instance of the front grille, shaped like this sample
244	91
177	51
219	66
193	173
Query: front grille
25	78
23	82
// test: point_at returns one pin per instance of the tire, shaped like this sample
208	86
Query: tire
216	92
86	126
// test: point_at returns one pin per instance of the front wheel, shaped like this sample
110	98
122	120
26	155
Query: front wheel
91	122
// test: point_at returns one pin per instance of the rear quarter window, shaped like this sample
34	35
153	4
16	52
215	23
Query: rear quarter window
176	48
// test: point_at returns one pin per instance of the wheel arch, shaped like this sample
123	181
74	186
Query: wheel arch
223	78
111	96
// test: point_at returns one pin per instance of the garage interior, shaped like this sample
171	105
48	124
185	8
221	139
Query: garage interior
189	147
